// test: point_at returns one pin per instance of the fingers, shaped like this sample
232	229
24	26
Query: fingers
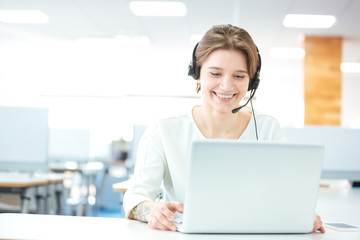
162	214
160	222
318	225
176	207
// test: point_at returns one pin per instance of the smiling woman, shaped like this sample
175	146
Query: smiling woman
225	63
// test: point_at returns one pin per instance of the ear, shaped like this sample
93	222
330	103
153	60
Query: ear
198	86
197	75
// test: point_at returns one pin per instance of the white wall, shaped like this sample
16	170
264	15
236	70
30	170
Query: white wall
106	90
350	109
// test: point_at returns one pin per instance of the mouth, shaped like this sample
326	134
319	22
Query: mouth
224	97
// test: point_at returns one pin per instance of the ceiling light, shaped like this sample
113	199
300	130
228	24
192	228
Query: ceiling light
287	53
23	16
170	9
308	21
350	67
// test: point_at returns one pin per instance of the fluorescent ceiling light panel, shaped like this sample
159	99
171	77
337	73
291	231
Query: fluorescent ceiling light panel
308	21
162	9
23	16
287	53
348	67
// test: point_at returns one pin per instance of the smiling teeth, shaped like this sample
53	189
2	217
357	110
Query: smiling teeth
224	96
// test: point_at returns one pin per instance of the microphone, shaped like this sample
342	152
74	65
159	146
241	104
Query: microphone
235	110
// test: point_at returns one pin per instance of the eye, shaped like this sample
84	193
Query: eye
239	76
215	74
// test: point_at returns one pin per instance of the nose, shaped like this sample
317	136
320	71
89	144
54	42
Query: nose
226	83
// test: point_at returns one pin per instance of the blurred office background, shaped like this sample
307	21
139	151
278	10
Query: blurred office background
101	68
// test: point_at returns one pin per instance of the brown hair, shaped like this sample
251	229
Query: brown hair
231	38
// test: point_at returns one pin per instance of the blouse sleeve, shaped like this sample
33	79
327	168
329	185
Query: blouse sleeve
149	171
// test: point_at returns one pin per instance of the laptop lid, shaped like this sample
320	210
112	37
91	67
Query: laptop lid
251	187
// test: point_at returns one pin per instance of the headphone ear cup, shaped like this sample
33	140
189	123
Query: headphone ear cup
193	69
196	74
190	70
255	81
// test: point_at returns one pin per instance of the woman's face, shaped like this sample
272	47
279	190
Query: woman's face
224	80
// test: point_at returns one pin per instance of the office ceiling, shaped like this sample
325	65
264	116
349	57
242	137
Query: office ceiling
73	19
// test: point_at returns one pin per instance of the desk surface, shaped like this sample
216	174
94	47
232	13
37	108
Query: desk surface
121	186
16	183
20	182
339	205
30	226
334	205
9	180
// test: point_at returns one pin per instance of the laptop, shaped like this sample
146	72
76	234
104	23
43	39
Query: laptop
251	187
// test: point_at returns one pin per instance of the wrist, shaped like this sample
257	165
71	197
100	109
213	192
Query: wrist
141	211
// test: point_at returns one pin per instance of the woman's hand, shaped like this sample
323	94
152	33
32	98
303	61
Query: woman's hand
318	225
158	215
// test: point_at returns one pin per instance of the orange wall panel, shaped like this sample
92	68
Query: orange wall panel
322	80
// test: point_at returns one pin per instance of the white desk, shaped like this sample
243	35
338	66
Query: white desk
32	226
334	205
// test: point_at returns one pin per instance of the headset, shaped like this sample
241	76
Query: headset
194	71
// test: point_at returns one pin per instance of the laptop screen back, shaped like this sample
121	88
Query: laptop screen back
251	187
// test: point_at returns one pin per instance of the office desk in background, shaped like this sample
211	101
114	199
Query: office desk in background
26	188
334	205
121	186
81	177
43	187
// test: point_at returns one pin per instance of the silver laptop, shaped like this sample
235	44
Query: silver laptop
251	187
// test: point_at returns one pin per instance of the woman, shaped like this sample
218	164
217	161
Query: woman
225	65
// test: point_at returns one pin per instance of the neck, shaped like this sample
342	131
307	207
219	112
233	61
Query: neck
218	125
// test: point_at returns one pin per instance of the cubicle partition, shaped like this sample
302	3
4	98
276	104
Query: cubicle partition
138	131
69	145
23	138
23	156
342	151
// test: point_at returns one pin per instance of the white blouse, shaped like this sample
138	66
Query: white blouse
163	153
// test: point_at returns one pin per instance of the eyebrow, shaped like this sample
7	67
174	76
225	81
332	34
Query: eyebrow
217	68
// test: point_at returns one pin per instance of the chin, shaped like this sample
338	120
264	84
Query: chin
224	110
